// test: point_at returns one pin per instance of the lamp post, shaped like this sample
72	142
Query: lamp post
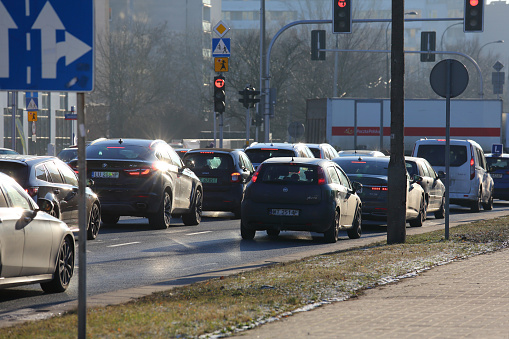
445	30
486	44
387	91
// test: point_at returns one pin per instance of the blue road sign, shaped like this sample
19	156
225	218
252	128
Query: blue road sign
221	47
47	45
497	148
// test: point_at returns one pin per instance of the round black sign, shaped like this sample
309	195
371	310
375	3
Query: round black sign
295	129
458	80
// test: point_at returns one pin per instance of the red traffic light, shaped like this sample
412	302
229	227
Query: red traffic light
342	3
219	83
474	3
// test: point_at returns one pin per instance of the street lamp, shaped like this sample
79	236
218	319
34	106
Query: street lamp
445	30
486	44
388	54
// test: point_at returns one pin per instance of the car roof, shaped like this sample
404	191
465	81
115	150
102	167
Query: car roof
452	142
363	158
219	150
497	155
280	145
25	158
127	142
297	160
361	152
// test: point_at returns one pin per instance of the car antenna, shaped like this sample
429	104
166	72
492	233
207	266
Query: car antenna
120	141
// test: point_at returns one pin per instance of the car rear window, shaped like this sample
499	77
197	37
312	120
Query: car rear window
15	170
67	155
288	173
498	163
262	154
316	152
435	154
364	167
127	152
209	160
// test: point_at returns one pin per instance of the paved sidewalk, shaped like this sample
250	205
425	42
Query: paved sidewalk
463	299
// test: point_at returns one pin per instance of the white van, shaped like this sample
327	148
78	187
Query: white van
470	183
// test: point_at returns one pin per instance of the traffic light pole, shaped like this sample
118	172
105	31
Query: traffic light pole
266	77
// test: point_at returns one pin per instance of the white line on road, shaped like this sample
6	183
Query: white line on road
125	244
199	233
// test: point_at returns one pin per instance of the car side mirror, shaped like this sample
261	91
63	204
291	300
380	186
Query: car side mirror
441	174
90	183
357	187
189	164
416	178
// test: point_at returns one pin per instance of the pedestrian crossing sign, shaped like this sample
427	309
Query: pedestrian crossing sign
221	64
221	47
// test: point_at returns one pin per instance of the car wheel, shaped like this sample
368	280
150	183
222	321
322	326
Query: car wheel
476	205
440	214
489	205
63	270
110	219
331	235
245	233
161	219
94	222
419	221
194	217
273	233
356	231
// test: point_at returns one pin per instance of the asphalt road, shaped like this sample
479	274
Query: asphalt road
130	254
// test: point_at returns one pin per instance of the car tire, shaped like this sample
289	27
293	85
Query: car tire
194	218
331	235
273	233
440	214
110	219
245	233
356	231
419	221
489	205
476	205
94	222
63	271
161	219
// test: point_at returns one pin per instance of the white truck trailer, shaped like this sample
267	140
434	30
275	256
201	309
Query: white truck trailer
365	123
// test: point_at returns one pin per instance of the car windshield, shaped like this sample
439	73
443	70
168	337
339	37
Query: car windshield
208	160
411	168
121	152
360	166
435	154
67	155
261	154
498	163
316	152
288	173
15	170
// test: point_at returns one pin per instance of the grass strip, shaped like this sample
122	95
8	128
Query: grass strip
218	307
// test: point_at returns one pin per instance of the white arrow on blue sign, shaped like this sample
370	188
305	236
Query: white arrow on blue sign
47	45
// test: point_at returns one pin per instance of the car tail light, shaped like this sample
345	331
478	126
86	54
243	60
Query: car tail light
381	188
255	175
138	172
321	176
236	177
32	191
472	163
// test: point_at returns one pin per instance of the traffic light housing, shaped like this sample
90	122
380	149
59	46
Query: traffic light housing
219	94
317	42
428	44
342	16
245	97
473	20
248	99
252	99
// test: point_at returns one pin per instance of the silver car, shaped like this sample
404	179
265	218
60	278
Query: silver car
34	246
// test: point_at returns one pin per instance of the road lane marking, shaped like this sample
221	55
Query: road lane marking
125	244
199	233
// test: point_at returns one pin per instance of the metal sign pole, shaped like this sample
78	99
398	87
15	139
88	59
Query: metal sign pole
82	219
447	144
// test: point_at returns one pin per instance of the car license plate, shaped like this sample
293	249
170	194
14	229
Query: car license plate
209	180
109	175
284	212
496	175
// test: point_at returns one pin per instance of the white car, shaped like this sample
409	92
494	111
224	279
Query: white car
259	152
470	183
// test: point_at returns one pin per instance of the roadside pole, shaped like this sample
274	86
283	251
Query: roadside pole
82	219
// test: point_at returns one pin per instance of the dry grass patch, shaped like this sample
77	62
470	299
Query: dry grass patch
220	306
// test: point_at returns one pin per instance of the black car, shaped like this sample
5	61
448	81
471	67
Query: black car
224	174
143	178
301	194
68	154
45	177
